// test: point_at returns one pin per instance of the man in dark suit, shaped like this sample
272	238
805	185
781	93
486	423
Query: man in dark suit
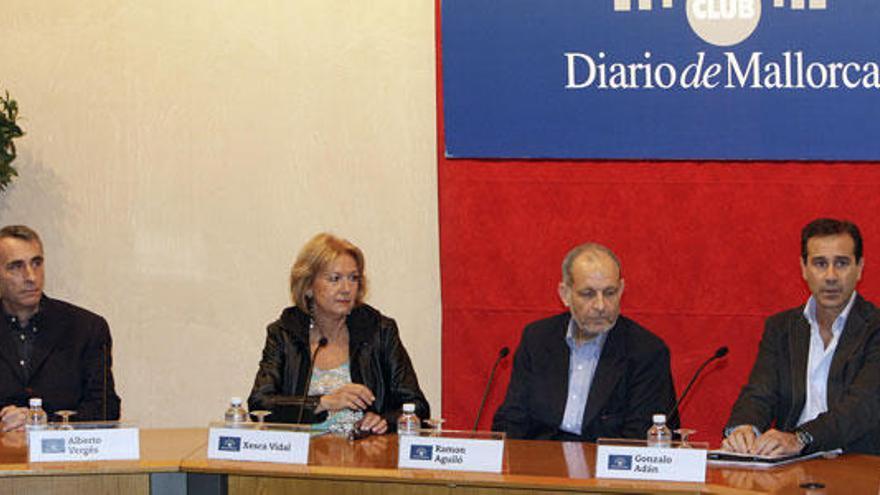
816	381
589	372
48	348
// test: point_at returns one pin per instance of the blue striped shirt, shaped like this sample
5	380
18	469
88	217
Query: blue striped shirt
581	369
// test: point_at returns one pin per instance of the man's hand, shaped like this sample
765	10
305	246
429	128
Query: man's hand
777	443
350	396
771	443
741	440
12	418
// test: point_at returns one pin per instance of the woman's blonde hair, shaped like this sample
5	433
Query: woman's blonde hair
319	252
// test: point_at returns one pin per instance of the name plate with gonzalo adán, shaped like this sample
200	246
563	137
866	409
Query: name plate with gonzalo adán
633	460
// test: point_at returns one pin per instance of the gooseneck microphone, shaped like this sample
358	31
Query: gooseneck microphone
305	394
501	355
719	353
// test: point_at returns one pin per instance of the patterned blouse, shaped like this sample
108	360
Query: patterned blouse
326	382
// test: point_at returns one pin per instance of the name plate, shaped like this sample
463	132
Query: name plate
112	444
449	453
244	444
651	463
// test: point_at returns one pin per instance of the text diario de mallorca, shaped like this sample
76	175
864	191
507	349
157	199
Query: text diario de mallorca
792	70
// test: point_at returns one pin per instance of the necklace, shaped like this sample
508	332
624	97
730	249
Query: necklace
317	331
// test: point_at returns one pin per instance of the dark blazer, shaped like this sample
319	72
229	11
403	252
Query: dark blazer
776	392
377	360
71	354
632	382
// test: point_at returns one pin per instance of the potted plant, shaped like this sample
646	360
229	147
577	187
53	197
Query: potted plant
9	130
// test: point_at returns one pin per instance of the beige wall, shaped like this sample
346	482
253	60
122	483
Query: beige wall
178	153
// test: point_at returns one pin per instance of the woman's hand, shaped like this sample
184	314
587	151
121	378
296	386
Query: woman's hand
374	423
350	396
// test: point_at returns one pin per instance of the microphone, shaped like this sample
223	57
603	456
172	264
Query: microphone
305	394
501	355
719	353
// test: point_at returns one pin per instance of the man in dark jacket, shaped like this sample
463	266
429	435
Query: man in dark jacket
589	372
816	381
48	348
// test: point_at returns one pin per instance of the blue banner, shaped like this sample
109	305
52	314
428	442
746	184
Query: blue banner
662	79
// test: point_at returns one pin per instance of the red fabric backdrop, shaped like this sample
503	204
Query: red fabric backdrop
708	251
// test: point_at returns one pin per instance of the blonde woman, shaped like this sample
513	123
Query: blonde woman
361	375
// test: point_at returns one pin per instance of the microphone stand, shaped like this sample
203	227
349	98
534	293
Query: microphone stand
501	355
719	353
305	394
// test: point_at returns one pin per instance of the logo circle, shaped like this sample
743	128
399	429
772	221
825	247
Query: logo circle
723	22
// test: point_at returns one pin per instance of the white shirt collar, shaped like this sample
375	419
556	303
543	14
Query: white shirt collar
839	322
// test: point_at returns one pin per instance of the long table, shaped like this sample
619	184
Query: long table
162	451
171	459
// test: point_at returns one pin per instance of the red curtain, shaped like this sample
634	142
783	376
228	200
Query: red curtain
708	251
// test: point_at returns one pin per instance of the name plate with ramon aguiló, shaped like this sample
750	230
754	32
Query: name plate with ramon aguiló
288	444
84	442
452	451
633	460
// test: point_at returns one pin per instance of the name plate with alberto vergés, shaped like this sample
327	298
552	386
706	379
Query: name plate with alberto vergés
452	451
106	441
634	460
260	442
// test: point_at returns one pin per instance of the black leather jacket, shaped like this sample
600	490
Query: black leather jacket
377	357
